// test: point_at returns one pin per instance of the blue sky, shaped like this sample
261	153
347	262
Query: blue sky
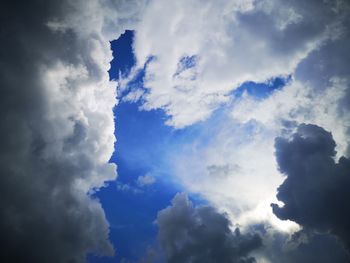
141	138
145	146
141	148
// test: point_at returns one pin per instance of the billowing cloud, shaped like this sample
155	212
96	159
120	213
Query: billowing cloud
201	234
57	129
206	50
195	61
316	191
57	122
202	51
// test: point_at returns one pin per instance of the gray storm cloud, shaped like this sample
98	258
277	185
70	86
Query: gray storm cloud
315	192
303	246
57	128
201	234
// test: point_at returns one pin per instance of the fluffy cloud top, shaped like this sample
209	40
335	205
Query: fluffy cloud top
230	42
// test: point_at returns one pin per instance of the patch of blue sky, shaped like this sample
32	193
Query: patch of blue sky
144	146
131	217
261	91
123	55
138	152
134	83
122	65
186	63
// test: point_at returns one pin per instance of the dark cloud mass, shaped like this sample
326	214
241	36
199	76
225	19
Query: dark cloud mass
202	235
56	131
316	191
301	247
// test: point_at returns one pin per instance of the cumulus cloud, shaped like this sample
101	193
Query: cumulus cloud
201	234
316	189
57	130
228	43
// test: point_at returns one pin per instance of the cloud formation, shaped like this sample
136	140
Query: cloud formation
228	43
201	234
57	130
57	122
236	41
316	191
205	51
302	247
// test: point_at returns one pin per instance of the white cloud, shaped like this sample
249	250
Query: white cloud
233	166
234	41
145	180
300	103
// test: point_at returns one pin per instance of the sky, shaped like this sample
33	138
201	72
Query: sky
152	131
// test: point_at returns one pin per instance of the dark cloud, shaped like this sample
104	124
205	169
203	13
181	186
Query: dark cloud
310	247
328	67
56	130
302	246
201	234
316	191
332	58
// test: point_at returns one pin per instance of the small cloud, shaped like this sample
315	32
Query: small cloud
145	180
128	188
222	171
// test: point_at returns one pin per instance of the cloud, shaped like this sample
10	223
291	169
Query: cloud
128	188
316	189
145	180
232	163
229	42
201	234
57	129
297	103
57	122
302	247
318	92
232	166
